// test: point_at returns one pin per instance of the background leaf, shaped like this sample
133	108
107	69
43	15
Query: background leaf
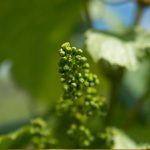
30	37
121	140
118	50
111	49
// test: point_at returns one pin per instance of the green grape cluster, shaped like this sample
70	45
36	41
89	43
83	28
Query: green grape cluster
35	135
80	131
78	82
41	135
80	98
107	137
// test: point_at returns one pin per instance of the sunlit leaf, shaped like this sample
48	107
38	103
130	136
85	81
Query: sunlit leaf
121	140
111	49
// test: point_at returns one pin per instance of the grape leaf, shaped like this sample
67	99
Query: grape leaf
116	51
111	49
121	140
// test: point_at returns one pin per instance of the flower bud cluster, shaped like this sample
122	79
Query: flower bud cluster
78	82
107	137
80	99
81	132
41	135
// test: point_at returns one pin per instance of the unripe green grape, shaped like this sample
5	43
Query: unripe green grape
66	87
86	143
68	50
66	68
88	97
91	90
87	103
86	75
62	52
87	132
78	57
83	59
62	79
79	75
93	104
73	84
97	81
94	76
90	77
86	66
81	80
63	60
67	44
89	113
86	83
86	70
70	76
70	60
79	94
74	126
74	50
79	51
92	83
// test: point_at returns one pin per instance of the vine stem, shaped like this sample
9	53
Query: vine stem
112	104
137	108
87	13
139	13
116	79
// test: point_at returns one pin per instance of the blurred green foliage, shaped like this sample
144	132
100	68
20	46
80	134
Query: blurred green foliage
31	33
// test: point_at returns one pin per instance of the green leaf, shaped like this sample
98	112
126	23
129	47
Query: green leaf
142	42
112	49
142	38
118	50
121	140
31	32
